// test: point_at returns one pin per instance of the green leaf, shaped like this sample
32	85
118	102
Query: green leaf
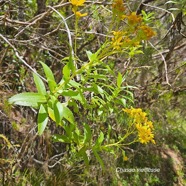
74	84
58	112
66	72
42	119
98	89
51	84
51	113
76	137
85	158
119	79
98	158
80	97
71	64
108	133
69	93
92	57
61	138
69	129
100	139
82	153
50	77
30	99
39	84
123	101
67	113
87	133
50	107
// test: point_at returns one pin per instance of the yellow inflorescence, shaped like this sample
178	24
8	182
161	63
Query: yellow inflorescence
133	18
145	133
117	40
75	5
142	124
148	32
134	31
77	2
118	6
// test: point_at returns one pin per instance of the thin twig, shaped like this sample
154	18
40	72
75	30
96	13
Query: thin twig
35	20
50	166
57	155
21	58
165	63
166	51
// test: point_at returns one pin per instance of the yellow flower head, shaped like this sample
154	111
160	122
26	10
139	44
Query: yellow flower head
125	158
137	114
118	9
118	6
145	134
143	126
150	124
117	40
147	31
134	19
77	2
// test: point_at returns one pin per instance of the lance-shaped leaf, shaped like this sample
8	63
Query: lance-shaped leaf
42	119
87	133
98	158
62	111
82	153
58	112
119	79
67	114
66	72
30	99
100	139
61	138
50	77
39	84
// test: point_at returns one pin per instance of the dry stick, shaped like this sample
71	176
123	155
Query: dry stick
53	31
21	58
165	63
50	166
39	17
166	51
36	19
15	21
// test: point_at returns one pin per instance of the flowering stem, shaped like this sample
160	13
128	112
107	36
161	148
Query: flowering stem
118	143
76	33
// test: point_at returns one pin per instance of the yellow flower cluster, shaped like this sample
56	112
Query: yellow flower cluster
75	4
118	8
143	125
117	40
148	32
136	21
133	18
133	33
